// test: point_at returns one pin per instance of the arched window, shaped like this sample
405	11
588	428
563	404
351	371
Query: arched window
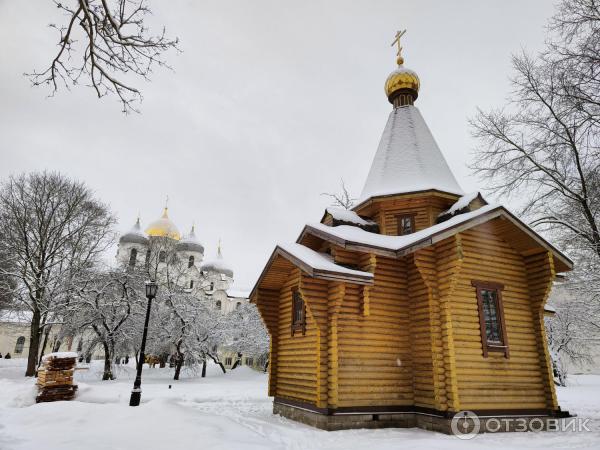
20	344
191	261
162	256
237	305
218	304
191	284
132	257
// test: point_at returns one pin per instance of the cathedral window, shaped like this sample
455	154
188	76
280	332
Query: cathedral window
406	224
298	312
228	361
218	304
20	344
491	317
191	261
162	256
133	257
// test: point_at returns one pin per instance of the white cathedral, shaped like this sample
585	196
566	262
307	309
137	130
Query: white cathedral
211	278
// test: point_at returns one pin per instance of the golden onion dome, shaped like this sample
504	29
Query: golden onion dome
163	227
402	85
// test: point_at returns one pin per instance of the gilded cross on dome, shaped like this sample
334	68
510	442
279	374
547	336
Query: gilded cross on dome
399	34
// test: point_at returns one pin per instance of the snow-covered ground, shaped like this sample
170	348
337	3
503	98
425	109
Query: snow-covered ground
230	412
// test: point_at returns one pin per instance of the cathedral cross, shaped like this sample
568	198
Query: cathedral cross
399	34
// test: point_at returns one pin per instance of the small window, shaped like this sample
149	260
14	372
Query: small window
218	304
298	312
191	284
212	286
162	256
406	224
20	344
133	257
238	305
249	361
491	317
191	261
228	361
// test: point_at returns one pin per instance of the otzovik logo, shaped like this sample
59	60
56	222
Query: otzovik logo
465	425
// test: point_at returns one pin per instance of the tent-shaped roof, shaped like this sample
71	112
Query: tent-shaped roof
408	159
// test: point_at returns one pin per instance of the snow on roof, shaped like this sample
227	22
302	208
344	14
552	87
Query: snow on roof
408	159
15	316
345	215
135	235
190	242
550	309
461	203
238	293
394	243
320	261
217	265
60	355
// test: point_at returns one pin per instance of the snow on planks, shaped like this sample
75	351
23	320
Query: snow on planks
55	380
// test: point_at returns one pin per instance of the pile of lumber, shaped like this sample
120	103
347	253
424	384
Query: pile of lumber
55	378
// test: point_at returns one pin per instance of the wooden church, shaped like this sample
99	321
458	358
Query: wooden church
417	304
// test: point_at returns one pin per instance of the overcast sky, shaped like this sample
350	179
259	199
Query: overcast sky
271	103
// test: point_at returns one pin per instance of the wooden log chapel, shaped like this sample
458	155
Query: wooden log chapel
417	304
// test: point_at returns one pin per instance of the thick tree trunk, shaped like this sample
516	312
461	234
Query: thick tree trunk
204	368
179	361
44	344
34	344
107	375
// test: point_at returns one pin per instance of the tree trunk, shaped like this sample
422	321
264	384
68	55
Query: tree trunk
266	366
178	368
216	361
179	361
44	344
34	344
204	368
107	375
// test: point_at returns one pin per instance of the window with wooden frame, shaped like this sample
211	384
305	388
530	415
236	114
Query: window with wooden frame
491	317
406	224
298	312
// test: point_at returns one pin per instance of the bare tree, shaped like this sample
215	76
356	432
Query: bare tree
104	44
343	198
53	229
109	304
544	145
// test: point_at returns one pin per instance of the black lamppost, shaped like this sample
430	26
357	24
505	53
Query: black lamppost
136	393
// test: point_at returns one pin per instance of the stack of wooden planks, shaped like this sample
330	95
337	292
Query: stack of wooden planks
55	379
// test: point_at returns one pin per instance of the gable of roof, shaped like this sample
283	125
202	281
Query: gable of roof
354	238
315	264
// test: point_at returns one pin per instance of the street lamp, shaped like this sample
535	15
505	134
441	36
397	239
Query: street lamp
136	393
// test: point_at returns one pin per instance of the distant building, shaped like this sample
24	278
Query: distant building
210	279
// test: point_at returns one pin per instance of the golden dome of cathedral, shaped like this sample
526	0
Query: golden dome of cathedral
402	85
163	227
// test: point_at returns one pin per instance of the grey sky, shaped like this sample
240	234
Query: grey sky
270	104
